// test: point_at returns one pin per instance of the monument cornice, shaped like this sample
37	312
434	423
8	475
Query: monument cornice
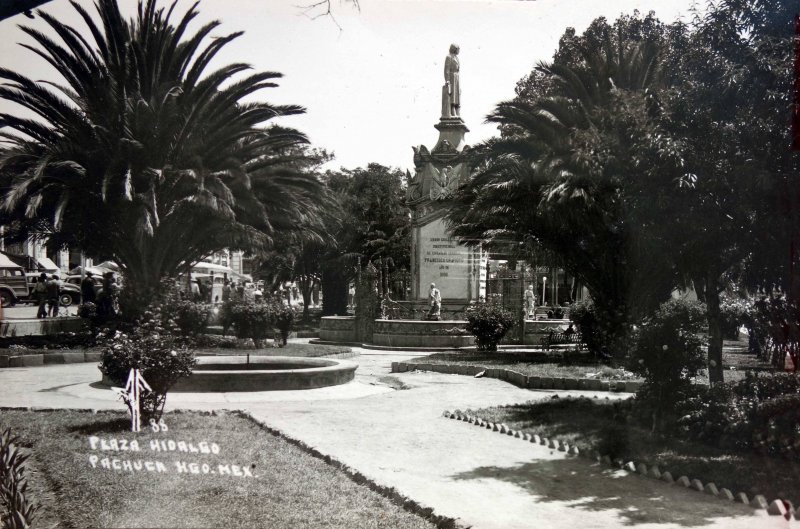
427	211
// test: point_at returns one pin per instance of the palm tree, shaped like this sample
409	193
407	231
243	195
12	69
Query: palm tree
558	176
142	152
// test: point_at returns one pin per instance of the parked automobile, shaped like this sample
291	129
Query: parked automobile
68	294
13	283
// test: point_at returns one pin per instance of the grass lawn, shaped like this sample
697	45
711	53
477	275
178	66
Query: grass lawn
291	349
540	364
288	488
536	364
580	421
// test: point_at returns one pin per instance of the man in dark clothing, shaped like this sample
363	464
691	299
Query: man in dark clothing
87	289
40	293
106	304
53	289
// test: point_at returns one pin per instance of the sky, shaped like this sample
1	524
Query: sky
371	80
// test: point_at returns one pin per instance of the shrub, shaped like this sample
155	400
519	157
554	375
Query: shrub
87	310
251	320
770	411
489	323
758	412
667	352
162	358
17	508
284	317
96	318
256	320
708	414
191	318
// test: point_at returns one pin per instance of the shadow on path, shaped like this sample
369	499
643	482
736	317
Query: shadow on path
634	499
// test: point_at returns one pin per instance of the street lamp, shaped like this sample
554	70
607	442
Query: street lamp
544	288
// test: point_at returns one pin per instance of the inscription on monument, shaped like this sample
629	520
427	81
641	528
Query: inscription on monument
443	261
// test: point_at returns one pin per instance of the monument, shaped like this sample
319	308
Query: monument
442	270
458	271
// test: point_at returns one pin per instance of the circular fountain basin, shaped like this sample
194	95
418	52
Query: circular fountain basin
264	373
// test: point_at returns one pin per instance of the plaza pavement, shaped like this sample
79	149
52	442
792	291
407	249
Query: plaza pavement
399	438
27	311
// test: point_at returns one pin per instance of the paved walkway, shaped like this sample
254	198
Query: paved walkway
399	439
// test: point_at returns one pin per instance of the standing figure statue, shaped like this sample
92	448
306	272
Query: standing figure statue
436	303
530	302
451	91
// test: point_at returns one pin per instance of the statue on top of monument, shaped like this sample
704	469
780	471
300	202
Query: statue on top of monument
451	91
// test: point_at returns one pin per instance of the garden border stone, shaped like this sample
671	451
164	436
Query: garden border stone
776	507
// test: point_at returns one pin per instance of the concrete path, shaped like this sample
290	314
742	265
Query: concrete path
28	311
400	439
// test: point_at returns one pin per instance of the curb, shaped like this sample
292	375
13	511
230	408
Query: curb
50	358
373	347
776	507
520	380
71	357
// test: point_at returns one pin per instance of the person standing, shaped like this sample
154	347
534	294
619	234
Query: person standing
107	301
226	291
53	288
436	303
40	295
88	293
196	295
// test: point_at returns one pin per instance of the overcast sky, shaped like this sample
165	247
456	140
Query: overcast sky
372	89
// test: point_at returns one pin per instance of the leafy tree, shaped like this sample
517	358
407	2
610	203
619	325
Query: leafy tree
374	224
734	212
142	151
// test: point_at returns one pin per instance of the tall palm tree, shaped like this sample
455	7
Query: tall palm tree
142	151
557	173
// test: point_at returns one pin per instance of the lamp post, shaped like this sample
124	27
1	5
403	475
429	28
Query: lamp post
544	288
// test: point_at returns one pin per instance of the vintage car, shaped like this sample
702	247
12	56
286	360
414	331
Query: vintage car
68	294
13	283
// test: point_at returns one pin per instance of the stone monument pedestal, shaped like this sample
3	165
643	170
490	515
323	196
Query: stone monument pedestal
458	271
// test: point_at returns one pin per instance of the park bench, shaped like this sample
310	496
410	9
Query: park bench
561	338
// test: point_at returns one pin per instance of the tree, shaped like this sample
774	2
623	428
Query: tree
374	225
143	152
572	144
667	136
726	106
299	251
